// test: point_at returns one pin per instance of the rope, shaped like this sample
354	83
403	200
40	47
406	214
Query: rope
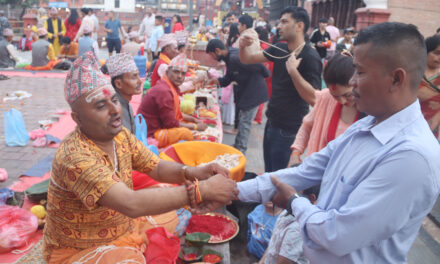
155	224
282	57
104	250
18	251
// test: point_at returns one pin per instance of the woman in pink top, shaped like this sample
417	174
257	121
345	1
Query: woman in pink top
333	112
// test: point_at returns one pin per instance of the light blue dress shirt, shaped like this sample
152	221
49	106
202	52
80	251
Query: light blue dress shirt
155	36
378	182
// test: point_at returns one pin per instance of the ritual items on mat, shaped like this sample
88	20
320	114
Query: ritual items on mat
220	227
190	254
212	256
228	161
17	225
210	133
205	113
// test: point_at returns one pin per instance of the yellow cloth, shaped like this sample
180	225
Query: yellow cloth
202	37
51	53
81	174
56	40
167	137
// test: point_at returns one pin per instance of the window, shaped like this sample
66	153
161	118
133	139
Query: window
116	3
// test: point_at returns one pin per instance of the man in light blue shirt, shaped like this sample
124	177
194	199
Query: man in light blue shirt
155	36
381	177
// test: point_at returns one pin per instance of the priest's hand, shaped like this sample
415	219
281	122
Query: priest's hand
207	171
216	192
285	191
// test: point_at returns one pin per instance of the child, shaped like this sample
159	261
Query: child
261	222
285	246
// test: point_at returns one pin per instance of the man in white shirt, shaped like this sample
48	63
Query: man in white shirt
87	20
146	29
96	22
334	35
381	177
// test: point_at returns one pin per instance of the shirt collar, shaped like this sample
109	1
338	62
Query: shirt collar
121	99
388	128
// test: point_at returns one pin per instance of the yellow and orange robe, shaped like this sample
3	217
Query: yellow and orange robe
53	37
81	174
161	110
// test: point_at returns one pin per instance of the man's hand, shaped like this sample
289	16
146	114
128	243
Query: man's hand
294	159
207	171
320	44
245	41
60	34
292	63
218	189
285	191
201	126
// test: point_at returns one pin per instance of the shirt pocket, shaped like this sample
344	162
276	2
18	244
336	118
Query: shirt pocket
342	191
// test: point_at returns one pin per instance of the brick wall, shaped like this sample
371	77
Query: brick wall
425	14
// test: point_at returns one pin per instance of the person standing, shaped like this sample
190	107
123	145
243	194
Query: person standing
294	82
96	24
251	89
55	30
178	25
146	29
4	23
319	38
155	36
334	36
429	88
86	20
113	27
346	43
381	177
72	24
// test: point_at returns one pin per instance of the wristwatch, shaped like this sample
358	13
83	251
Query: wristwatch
293	197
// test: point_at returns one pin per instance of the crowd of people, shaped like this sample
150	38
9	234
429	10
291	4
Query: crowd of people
349	181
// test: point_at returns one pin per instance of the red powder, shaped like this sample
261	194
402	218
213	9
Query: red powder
220	228
211	258
190	256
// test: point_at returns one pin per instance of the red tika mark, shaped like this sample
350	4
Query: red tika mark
106	92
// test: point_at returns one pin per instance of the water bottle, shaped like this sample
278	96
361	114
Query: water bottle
141	63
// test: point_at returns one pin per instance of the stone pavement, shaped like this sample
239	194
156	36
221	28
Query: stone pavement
47	97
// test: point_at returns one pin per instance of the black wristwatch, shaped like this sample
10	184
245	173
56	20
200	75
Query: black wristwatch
293	197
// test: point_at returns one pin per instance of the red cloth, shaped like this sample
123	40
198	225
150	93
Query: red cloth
178	27
259	115
155	76
157	107
269	66
71	30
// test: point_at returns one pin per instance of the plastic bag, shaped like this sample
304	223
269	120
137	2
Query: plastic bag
3	175
15	129
141	133
5	194
16	227
163	247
